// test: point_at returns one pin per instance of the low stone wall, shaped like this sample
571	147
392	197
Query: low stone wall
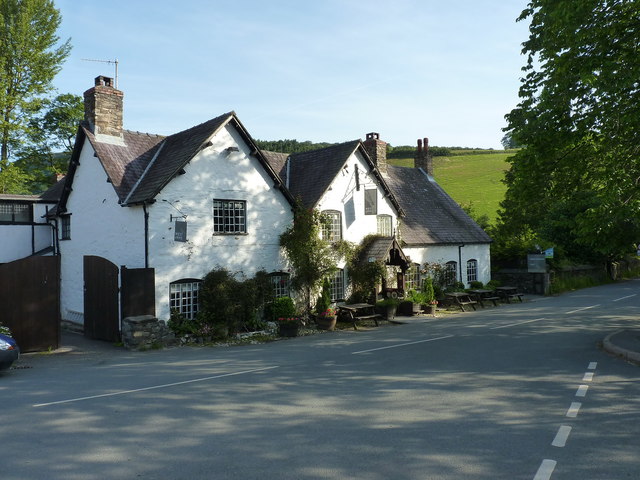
146	332
525	282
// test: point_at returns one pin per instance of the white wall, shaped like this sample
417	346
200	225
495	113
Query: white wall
445	253
215	173
99	226
20	241
345	198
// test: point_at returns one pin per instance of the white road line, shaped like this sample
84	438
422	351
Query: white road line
545	470
592	365
587	377
581	309
574	408
516	324
624	298
582	390
401	345
155	387
561	436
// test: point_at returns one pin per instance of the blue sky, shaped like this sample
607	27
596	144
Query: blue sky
323	70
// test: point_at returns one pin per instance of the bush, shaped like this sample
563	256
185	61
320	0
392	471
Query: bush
282	307
324	300
476	284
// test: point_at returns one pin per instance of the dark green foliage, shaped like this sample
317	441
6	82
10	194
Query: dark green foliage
290	146
363	274
428	290
574	184
475	284
282	307
324	300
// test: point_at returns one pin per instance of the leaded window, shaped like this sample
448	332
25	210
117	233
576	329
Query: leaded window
65	227
385	225
337	286
229	216
450	273
15	212
412	278
183	297
281	284
332	226
370	201
472	270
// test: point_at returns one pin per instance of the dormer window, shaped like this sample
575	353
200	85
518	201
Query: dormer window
332	226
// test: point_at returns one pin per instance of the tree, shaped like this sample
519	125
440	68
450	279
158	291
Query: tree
29	60
579	123
312	258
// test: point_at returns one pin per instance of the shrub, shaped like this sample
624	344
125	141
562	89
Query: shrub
476	284
282	307
324	300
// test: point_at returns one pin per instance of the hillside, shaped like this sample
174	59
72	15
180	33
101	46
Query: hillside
471	177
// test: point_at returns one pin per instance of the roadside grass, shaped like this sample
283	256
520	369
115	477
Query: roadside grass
471	179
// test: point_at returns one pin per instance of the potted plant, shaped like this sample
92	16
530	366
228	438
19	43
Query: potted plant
325	315
283	311
417	300
429	296
388	307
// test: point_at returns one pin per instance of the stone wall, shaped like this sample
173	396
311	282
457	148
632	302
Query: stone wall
146	332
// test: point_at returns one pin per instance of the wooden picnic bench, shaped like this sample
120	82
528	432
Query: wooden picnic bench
483	295
508	293
461	299
358	311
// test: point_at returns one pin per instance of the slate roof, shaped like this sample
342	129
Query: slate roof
54	192
141	167
278	162
431	216
385	249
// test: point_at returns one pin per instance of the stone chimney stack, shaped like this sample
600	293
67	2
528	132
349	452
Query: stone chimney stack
377	150
423	158
103	108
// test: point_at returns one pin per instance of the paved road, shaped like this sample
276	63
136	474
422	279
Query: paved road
512	392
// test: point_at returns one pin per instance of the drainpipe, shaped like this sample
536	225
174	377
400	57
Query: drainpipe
146	235
460	261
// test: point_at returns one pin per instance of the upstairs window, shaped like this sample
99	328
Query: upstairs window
183	297
472	270
229	217
384	226
15	212
332	226
370	201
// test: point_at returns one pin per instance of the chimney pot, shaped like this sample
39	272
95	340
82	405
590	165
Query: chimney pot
103	107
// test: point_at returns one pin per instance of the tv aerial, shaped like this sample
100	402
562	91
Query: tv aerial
111	62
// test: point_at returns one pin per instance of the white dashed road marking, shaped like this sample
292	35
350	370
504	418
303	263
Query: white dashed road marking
574	409
582	390
561	436
545	470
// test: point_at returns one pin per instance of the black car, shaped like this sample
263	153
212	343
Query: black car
9	351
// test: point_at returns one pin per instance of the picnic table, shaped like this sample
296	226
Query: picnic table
482	295
461	299
507	293
358	311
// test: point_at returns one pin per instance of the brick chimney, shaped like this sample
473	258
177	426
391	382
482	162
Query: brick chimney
103	108
377	150
423	158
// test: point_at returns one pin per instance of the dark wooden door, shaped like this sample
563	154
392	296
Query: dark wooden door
138	292
101	302
30	299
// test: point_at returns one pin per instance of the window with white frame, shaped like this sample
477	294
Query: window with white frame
281	282
65	227
229	216
337	285
450	273
412	278
183	297
332	226
472	270
15	212
385	227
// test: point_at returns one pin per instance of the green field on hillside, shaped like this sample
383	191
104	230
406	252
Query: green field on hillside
473	178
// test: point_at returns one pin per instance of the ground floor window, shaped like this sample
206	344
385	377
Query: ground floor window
450	269
472	270
281	282
337	286
183	297
412	278
65	227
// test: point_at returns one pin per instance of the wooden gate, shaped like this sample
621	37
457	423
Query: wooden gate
138	291
30	299
101	305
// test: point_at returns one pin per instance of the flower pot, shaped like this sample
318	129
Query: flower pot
430	309
390	312
288	329
326	323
